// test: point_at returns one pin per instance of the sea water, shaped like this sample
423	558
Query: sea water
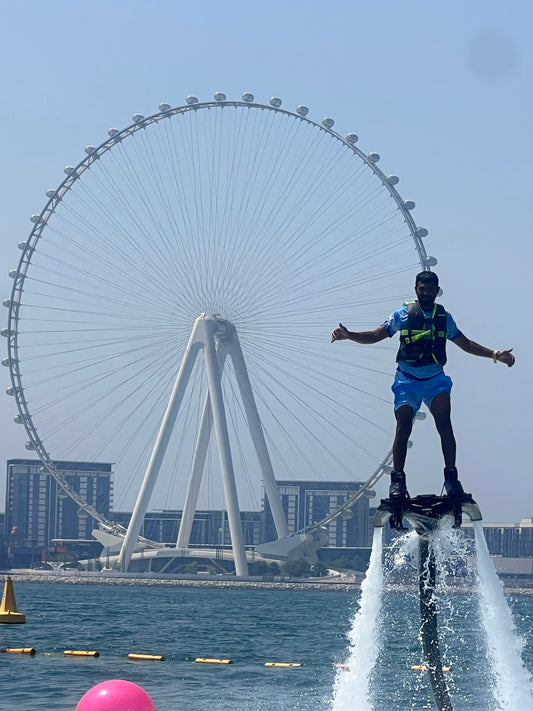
250	627
478	636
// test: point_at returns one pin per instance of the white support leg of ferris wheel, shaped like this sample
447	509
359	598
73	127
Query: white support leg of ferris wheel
197	470
258	437
210	326
158	453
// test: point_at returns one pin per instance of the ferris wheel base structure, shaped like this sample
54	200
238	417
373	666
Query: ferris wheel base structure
293	547
218	339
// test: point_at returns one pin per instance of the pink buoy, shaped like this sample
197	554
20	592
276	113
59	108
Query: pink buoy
116	695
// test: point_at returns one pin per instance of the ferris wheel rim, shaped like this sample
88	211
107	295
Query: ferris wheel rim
74	173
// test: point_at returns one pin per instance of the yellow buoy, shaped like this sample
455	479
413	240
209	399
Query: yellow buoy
19	650
207	660
146	657
8	608
423	668
283	664
79	653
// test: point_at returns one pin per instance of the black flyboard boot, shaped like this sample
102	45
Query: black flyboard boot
399	496
455	491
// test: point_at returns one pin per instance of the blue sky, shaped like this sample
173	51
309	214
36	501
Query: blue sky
441	90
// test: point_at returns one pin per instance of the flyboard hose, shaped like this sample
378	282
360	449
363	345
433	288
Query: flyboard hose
429	631
424	514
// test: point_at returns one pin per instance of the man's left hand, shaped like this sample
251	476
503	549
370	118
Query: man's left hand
506	357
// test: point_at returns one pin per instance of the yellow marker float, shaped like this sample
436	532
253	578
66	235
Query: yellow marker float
423	668
207	660
80	653
19	650
146	657
8	609
283	664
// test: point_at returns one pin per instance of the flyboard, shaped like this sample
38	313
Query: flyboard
424	514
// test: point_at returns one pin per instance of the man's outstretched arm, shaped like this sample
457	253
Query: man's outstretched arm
342	334
476	349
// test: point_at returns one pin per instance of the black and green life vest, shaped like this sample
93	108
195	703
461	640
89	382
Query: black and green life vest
423	339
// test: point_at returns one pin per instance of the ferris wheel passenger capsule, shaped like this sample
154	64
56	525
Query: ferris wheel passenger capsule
21	246
420	415
136	118
50	193
112	132
302	110
275	102
164	107
191	99
352	137
408	204
393	180
247	97
6	362
4	332
373	157
219	96
328	122
18	419
12	273
6	303
29	445
431	261
89	150
10	391
69	170
421	232
36	219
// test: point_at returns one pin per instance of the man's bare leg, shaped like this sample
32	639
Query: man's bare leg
441	411
404	425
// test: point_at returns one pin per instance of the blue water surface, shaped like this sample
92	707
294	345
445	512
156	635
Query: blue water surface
250	627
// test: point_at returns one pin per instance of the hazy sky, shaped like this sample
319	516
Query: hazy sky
441	90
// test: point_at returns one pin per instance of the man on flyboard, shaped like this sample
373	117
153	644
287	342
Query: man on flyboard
424	328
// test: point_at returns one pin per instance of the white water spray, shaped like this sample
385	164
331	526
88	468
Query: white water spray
513	689
352	686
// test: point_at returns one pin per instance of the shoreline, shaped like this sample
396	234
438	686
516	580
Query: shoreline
221	582
172	581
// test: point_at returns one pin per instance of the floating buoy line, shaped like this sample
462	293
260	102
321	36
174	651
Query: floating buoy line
134	656
139	657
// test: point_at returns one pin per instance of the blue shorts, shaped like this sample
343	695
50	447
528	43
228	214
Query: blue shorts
408	391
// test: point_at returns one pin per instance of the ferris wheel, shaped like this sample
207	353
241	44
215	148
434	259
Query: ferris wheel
250	215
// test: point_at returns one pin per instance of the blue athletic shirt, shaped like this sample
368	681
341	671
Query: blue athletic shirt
397	321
